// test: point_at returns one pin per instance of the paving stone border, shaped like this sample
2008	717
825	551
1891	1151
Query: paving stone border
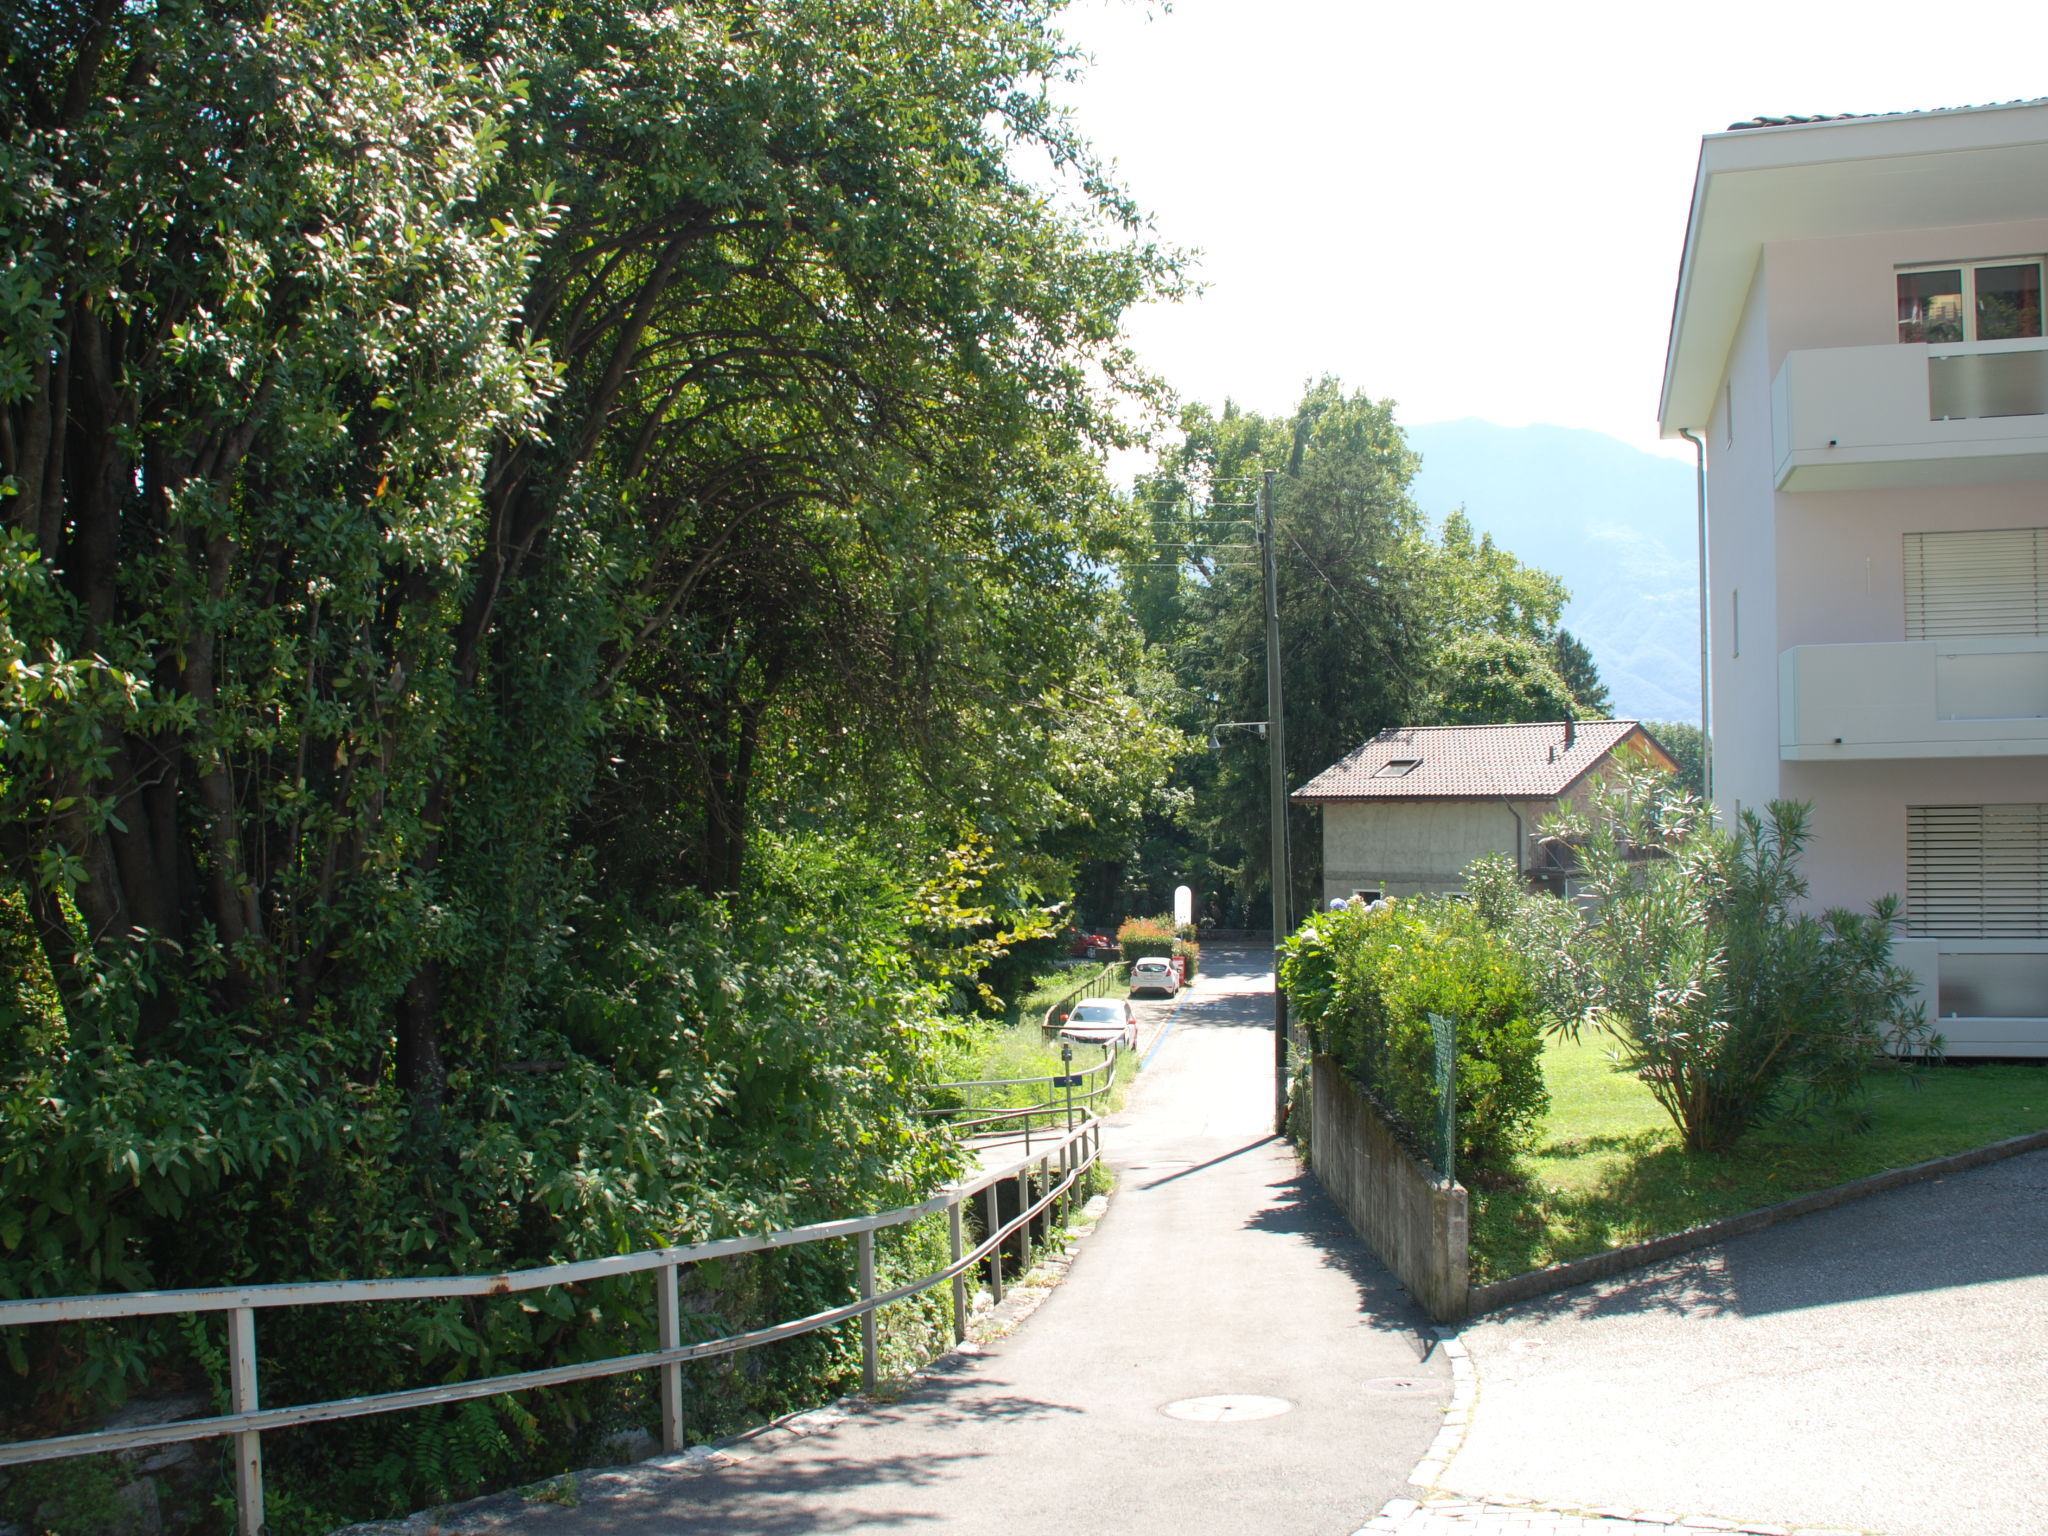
1434	1511
989	1322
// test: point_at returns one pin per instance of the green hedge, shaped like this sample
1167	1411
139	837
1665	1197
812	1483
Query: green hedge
1144	937
1363	985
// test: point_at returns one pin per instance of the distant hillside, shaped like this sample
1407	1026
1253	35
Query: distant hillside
1615	523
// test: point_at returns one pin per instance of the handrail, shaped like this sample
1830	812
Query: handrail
1078	991
1077	1148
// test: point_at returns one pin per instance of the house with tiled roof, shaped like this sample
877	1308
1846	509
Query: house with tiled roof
1409	811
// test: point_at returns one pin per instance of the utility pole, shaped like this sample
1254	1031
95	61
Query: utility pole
1276	748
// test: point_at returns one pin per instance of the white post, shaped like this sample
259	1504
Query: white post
992	1208
668	1312
248	1442
957	1238
1025	1220
866	1242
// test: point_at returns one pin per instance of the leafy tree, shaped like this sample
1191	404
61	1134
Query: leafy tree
497	499
1575	667
1382	622
1489	678
1733	1007
1354	626
1686	745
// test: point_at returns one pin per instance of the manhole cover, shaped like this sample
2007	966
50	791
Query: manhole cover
1403	1386
1228	1408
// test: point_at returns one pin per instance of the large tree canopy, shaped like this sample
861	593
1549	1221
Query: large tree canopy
1383	621
486	487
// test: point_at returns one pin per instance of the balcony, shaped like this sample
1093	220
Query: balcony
1958	413
1978	697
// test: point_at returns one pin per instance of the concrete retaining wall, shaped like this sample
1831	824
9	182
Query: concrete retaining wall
1411	1220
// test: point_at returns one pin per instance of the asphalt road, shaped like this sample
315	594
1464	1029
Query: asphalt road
1218	1268
1882	1366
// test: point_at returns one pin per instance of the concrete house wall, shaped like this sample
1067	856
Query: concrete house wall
1816	693
1417	847
1423	847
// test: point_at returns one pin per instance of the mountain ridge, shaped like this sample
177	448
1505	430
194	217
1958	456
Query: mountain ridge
1614	523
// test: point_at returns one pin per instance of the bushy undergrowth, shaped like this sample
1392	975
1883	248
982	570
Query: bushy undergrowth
1363	985
721	1068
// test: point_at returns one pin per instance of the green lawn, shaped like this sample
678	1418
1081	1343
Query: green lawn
1609	1171
1016	1046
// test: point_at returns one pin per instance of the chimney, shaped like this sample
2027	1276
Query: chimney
1571	732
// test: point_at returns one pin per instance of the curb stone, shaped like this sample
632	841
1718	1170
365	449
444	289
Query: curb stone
1433	1510
988	1323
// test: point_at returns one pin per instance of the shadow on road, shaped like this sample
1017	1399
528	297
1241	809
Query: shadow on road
1300	1209
1974	1228
785	1492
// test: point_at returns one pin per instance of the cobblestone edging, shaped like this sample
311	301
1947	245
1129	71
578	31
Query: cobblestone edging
1431	1511
479	1517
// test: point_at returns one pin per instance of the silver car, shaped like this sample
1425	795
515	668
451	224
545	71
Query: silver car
1101	1021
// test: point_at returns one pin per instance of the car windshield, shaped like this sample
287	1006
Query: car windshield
1151	965
1093	1013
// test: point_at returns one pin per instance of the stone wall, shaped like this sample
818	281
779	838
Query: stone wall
1414	1222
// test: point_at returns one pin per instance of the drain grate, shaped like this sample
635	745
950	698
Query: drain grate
1226	1408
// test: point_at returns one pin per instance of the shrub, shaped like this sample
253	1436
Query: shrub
1363	984
1732	1007
1144	937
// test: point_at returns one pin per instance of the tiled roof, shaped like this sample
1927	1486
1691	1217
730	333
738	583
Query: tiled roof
1837	117
1465	762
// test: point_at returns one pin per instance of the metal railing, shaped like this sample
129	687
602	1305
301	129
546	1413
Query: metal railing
1004	1124
1039	1189
1079	990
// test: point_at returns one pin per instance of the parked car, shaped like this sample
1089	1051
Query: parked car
1101	1021
1156	973
1092	946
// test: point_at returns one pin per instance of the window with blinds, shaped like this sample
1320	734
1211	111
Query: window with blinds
1992	581
1977	871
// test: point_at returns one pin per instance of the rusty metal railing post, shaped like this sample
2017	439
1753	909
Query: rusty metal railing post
955	1240
242	1398
866	1243
669	1314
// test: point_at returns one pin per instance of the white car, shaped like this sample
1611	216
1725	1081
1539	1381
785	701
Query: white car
1101	1021
1156	973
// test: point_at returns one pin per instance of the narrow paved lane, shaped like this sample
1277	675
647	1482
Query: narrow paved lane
1218	1269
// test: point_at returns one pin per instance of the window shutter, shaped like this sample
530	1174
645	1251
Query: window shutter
1989	582
1977	871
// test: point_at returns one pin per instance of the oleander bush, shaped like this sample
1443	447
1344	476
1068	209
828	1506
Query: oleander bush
1737	1008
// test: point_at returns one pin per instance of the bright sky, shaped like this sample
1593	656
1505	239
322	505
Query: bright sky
1474	207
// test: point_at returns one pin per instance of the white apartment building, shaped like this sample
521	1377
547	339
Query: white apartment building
1858	339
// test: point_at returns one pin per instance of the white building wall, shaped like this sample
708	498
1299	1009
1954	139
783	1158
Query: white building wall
1742	562
1413	847
1826	567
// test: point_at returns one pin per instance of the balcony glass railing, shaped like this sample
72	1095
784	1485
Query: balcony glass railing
1968	385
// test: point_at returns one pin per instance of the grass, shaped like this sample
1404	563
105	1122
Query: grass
1016	1046
1050	985
1608	1169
